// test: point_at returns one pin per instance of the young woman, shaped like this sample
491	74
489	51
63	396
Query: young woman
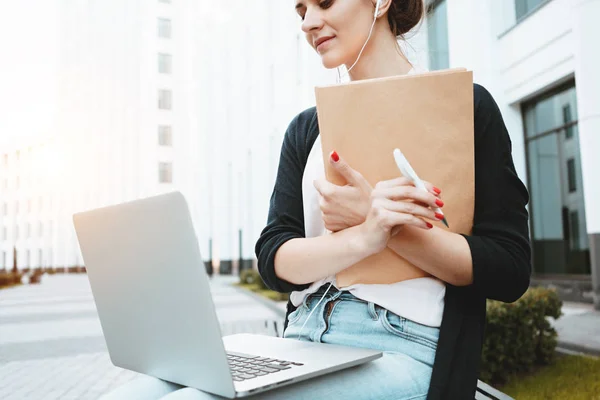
430	329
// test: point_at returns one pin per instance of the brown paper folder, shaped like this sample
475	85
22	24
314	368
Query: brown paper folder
429	117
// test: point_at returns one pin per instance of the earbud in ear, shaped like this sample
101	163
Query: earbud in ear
377	6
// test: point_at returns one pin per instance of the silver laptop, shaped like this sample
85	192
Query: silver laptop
153	298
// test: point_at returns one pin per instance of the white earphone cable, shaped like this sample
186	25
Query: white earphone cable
364	45
339	80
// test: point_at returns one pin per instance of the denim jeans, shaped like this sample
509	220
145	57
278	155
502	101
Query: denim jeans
403	372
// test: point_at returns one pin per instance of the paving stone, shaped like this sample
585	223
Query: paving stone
51	343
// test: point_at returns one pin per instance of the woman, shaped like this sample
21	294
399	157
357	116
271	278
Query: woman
431	332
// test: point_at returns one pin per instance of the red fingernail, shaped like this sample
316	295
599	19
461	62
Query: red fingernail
439	203
334	156
429	225
439	216
436	190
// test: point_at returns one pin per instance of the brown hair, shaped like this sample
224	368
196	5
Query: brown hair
403	15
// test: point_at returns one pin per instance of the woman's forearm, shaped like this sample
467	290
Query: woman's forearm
301	261
443	254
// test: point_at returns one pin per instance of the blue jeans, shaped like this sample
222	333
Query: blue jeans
403	372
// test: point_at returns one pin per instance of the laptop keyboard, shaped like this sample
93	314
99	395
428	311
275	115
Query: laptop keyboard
246	366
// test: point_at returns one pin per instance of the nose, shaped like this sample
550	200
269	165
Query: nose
312	20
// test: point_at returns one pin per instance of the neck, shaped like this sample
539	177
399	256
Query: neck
382	57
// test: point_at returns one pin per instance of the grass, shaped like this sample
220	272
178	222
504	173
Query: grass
269	294
569	378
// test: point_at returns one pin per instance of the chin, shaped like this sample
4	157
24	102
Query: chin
330	60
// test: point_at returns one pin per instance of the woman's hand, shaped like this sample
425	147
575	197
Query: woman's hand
343	206
394	204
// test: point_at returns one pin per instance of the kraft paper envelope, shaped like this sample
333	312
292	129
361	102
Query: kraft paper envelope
429	117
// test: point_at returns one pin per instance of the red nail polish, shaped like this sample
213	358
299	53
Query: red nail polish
429	225
436	190
439	203
439	216
334	156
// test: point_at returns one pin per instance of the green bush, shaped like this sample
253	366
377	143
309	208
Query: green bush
252	277
518	337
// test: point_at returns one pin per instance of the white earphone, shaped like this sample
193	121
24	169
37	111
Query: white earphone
377	6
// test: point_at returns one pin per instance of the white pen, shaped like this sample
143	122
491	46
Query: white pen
409	172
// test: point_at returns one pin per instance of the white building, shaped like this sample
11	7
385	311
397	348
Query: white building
540	60
115	100
198	94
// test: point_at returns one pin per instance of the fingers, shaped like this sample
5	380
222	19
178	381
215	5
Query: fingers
396	230
392	220
432	188
325	188
407	207
402	181
399	193
351	176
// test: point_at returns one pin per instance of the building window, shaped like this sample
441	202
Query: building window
29	206
40	257
571	177
5	209
4	260
567	118
17	207
165	135
165	172
28	265
437	35
525	7
5	160
164	63
28	231
18	183
574	227
165	99
556	196
41	229
41	203
16	232
5	233
165	1
164	28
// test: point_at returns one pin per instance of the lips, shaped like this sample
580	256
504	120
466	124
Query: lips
322	40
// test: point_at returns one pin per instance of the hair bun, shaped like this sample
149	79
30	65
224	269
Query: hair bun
403	15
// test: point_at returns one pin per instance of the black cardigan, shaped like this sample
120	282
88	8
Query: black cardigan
499	244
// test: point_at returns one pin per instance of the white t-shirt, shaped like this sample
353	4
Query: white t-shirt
420	300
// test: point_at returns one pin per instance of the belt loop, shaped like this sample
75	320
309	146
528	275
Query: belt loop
372	310
304	302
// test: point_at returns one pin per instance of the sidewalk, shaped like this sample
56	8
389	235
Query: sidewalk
51	343
579	328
